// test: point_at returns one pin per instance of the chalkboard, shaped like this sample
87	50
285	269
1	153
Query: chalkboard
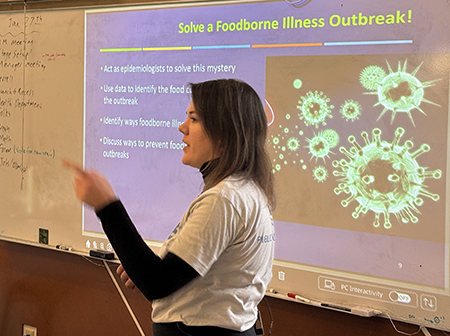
357	100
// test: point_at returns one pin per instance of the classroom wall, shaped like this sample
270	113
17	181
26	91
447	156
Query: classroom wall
65	294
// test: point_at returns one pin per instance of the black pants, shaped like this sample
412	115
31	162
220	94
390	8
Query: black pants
180	329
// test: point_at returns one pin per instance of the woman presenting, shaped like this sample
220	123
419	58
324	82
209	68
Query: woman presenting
213	270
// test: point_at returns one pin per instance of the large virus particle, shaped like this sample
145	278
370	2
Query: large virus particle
384	177
320	173
371	76
314	108
319	146
401	92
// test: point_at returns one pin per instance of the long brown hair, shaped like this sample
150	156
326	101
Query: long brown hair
233	117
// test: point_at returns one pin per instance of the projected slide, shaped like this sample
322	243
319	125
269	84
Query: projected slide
357	103
357	146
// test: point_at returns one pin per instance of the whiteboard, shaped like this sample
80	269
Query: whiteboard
41	121
356	95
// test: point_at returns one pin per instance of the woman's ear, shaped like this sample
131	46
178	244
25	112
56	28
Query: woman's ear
218	149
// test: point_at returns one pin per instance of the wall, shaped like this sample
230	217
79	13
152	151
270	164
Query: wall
65	294
62	294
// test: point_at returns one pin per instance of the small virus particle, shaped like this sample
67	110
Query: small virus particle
319	147
320	173
314	108
288	116
293	144
401	92
284	146
371	76
331	136
297	84
384	177
350	110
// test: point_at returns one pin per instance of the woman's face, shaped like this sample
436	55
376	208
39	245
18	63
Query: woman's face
199	148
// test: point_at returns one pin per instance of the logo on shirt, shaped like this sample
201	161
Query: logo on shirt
174	232
264	239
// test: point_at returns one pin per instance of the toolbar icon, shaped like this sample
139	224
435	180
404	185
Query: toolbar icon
330	284
399	297
428	302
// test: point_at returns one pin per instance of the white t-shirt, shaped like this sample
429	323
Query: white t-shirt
227	236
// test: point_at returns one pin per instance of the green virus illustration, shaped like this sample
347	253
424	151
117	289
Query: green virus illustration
319	147
371	76
320	173
384	177
350	110
285	146
331	136
276	140
293	144
297	83
314	108
401	91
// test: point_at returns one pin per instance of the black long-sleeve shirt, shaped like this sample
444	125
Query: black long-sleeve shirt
155	277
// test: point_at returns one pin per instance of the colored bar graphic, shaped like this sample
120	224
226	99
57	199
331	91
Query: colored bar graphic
167	48
247	46
366	42
286	45
243	46
120	49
